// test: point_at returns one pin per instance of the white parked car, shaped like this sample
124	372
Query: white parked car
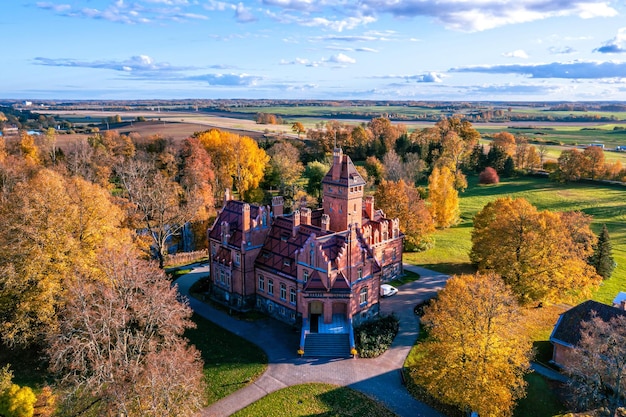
387	290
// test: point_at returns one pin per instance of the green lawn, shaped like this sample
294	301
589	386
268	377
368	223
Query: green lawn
321	400
606	204
230	362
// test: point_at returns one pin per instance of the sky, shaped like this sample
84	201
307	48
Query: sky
458	50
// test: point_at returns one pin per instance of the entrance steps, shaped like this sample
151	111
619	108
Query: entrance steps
326	345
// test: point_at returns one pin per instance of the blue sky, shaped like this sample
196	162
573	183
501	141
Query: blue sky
466	50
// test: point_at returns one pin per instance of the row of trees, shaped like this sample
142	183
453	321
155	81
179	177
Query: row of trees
573	165
74	285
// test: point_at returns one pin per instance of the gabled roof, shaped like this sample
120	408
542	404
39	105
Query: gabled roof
567	329
315	283
341	283
231	214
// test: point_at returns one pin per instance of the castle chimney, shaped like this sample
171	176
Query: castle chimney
277	206
369	207
305	216
325	222
337	160
295	218
245	218
227	196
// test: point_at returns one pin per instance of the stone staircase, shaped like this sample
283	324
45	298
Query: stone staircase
326	345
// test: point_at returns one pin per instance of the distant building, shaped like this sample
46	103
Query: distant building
566	333
319	269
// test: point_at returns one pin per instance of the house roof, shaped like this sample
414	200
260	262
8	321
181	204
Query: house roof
619	298
232	214
348	175
567	328
282	242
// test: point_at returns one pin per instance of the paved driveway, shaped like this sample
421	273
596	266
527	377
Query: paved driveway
379	378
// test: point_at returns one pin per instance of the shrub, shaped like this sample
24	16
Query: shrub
488	176
374	337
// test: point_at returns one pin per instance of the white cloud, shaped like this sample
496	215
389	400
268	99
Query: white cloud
518	53
244	14
481	15
615	45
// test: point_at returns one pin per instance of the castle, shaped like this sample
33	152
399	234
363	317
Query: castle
320	269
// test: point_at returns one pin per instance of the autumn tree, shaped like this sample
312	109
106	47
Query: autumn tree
286	166
197	178
596	166
572	166
597	365
238	160
536	253
159	204
443	198
401	200
298	128
477	352
488	176
375	169
52	227
506	141
119	349
602	258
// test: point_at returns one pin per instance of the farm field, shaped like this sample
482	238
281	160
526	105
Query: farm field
607	205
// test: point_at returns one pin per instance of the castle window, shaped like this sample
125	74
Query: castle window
312	258
394	254
222	276
281	310
305	275
261	283
292	295
237	258
359	273
213	249
270	286
283	292
363	296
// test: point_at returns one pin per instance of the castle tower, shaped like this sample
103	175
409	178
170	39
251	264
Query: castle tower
342	190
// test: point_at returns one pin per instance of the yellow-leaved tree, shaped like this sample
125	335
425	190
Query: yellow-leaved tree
476	353
52	227
238	160
443	197
541	255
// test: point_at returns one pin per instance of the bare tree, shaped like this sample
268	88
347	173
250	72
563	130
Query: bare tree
119	349
597	364
160	204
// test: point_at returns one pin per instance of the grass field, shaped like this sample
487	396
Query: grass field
606	204
321	400
230	362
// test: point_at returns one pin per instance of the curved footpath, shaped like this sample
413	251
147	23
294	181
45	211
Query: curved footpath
379	378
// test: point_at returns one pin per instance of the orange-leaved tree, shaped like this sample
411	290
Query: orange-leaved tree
238	160
541	255
401	200
477	351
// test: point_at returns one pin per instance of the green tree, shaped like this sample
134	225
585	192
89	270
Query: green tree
314	173
477	351
602	258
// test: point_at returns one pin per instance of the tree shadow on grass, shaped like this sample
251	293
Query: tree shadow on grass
451	268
